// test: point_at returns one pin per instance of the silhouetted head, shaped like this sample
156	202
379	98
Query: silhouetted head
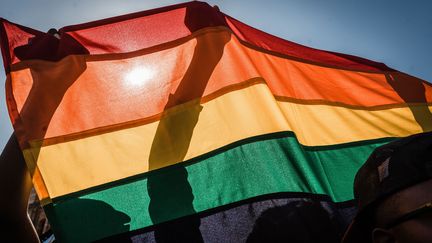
84	220
394	192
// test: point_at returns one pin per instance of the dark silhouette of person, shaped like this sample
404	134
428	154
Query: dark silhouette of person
392	190
43	99
174	197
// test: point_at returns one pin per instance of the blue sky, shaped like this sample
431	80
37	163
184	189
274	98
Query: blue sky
398	33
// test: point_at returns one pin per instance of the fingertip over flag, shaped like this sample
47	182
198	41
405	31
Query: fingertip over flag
174	121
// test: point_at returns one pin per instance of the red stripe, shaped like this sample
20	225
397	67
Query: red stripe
272	43
141	30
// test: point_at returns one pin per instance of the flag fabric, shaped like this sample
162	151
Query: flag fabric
185	122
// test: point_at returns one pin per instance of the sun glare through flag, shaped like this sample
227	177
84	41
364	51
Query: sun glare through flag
132	123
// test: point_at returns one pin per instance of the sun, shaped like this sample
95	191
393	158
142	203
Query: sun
139	76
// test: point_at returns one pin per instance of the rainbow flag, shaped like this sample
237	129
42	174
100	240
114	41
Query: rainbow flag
185	122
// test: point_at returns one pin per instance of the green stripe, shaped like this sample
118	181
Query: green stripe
256	166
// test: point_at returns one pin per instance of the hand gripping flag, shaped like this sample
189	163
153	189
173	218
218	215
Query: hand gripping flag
183	122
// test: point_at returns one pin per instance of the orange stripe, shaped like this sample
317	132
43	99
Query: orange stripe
95	94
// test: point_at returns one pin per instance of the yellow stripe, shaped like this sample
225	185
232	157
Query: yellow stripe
76	165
